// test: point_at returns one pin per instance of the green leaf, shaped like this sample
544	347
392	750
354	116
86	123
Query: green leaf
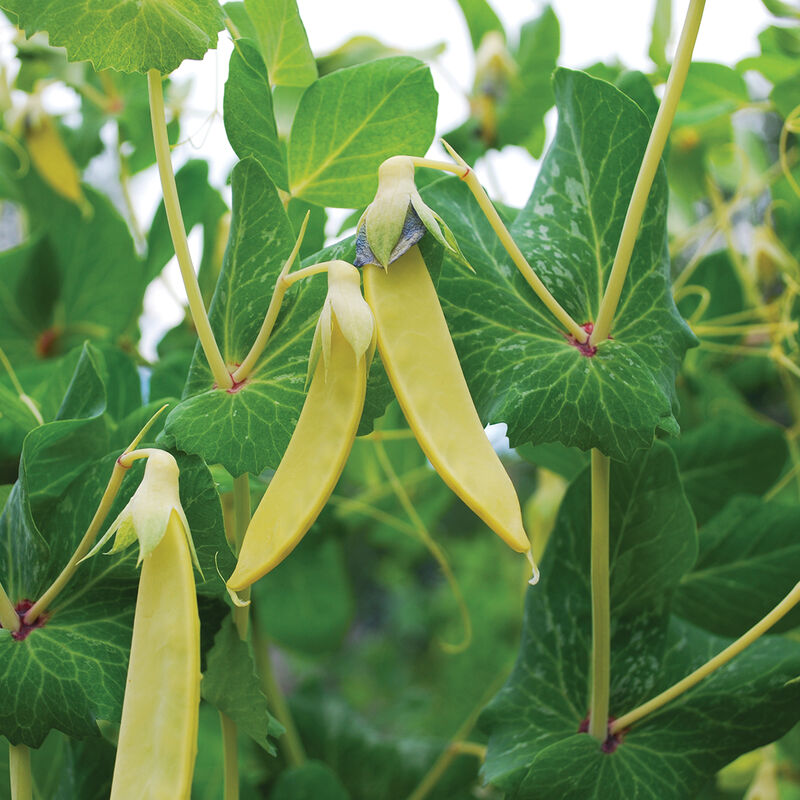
283	40
247	430
311	616
481	19
128	36
749	560
711	91
249	119
728	456
82	280
350	121
230	684
509	108
565	461
310	781
530	95
64	470
371	764
660	32
535	750
521	369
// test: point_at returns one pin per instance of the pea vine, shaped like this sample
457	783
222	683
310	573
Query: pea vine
256	563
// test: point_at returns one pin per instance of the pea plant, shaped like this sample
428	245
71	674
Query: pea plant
260	564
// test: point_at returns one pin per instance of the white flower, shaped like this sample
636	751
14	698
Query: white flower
147	513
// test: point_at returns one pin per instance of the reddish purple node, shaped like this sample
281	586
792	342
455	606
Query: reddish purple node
237	385
584	348
22	609
612	741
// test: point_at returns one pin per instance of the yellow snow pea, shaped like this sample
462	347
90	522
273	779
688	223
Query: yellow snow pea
158	735
50	157
325	431
421	361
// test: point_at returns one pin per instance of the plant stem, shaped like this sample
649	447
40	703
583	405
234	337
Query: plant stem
176	228
291	742
230	757
85	544
744	641
457	745
26	399
241	619
281	285
534	281
647	172
9	619
19	763
601	606
106	501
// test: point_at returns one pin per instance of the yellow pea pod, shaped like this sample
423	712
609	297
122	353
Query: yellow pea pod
312	464
158	734
421	361
51	158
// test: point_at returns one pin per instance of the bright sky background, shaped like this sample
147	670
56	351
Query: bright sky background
591	30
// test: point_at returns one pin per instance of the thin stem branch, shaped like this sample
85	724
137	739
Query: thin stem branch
457	745
290	742
178	232
230	757
241	619
9	619
19	763
281	285
601	604
26	399
85	544
434	549
534	281
744	641
121	465
647	172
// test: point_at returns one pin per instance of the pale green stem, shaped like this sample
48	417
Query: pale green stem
281	285
601	604
230	757
534	281
241	619
291	743
647	172
85	544
9	619
744	641
178	232
106	501
26	399
19	764
457	746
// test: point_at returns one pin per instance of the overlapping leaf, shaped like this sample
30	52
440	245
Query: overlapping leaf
283	40
749	560
248	429
535	749
230	683
350	121
521	368
71	671
128	36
